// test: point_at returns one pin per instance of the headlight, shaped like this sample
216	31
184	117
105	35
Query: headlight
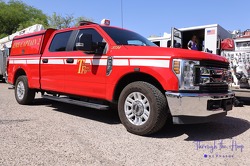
185	71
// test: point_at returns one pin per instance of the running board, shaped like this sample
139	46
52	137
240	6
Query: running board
76	102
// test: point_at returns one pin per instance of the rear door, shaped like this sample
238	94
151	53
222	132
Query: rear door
176	38
52	62
85	73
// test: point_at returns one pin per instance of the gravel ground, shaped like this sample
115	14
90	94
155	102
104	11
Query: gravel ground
51	133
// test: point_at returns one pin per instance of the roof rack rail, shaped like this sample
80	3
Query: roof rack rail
82	23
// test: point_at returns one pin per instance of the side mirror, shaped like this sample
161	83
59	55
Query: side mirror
85	43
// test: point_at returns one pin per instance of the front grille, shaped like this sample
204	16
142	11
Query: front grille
211	76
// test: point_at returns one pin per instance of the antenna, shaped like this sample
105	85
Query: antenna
122	13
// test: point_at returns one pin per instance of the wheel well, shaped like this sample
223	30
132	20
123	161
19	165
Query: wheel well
132	77
19	72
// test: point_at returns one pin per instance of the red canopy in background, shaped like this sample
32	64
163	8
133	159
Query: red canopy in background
227	44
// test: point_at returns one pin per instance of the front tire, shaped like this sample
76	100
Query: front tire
142	108
24	95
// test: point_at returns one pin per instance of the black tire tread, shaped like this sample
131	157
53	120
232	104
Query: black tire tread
161	109
30	93
161	103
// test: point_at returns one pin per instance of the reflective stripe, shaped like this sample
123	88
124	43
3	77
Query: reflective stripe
117	61
25	58
143	57
151	62
11	61
100	62
120	62
88	61
115	57
33	61
55	61
19	62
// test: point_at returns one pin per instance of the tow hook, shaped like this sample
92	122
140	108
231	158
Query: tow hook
237	103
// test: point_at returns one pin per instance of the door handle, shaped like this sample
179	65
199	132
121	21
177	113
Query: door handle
70	60
45	60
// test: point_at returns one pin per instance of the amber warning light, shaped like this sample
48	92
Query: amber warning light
105	22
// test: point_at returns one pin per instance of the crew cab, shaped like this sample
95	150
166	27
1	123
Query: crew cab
103	67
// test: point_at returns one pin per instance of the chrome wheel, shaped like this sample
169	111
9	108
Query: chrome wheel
20	90
137	108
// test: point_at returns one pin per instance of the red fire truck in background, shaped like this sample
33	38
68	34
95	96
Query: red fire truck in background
99	65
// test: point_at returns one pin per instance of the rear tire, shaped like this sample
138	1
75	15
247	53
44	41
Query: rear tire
142	108
24	95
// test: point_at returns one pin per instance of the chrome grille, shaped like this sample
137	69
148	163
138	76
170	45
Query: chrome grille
212	76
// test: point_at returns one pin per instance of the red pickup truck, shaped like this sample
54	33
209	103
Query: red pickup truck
100	66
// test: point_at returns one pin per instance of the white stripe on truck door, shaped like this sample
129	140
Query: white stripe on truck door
149	62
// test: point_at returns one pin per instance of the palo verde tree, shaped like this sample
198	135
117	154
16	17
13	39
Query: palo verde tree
58	21
16	15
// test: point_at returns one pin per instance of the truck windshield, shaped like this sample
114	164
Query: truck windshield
125	37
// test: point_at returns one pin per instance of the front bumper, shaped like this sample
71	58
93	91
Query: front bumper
240	92
187	108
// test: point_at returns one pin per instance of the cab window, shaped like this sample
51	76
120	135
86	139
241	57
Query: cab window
60	41
96	37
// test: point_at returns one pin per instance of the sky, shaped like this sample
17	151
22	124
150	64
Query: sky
154	17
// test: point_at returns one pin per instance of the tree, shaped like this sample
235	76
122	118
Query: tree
58	21
16	15
82	18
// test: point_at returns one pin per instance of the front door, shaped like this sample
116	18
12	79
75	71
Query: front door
85	73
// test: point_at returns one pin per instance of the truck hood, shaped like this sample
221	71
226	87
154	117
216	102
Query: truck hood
174	53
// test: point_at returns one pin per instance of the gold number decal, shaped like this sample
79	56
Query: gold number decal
116	47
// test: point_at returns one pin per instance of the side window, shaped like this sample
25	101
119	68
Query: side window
96	37
59	42
136	43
